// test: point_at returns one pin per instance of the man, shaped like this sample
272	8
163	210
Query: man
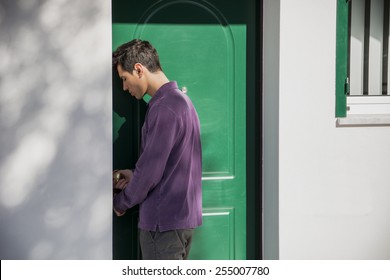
166	182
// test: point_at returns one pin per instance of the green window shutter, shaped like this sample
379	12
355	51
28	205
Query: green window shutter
342	81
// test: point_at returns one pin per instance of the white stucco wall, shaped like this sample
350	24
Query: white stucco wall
56	131
333	183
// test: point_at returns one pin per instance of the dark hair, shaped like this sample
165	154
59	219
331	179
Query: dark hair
136	51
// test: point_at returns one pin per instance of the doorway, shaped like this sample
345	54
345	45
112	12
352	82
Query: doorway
213	50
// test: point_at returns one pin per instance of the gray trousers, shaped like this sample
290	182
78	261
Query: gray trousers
167	245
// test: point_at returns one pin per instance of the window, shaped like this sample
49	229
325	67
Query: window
362	73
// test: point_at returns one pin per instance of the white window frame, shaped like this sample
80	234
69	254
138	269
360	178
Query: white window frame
365	110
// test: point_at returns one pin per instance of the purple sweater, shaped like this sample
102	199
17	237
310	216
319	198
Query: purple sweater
168	175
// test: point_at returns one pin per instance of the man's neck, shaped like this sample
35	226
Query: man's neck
156	80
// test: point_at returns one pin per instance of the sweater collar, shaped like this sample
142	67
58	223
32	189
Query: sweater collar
163	89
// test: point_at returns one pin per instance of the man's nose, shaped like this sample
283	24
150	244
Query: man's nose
124	86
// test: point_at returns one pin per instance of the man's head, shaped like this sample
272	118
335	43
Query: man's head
131	60
136	51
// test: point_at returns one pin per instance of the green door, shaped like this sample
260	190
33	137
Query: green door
202	45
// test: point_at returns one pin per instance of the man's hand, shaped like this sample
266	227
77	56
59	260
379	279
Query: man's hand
121	178
118	213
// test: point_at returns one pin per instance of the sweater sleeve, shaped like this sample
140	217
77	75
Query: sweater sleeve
162	128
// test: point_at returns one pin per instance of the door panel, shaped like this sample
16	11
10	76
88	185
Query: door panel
206	54
127	120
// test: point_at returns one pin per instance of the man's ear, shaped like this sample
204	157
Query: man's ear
139	69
